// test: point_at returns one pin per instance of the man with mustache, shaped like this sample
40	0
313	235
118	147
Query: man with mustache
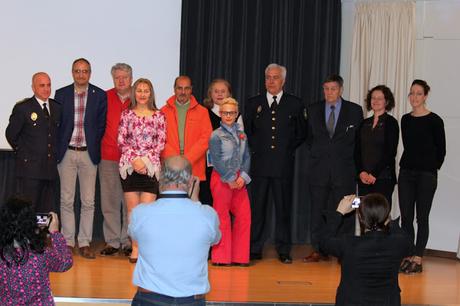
188	127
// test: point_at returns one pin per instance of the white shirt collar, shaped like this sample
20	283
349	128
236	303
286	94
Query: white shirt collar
41	102
270	97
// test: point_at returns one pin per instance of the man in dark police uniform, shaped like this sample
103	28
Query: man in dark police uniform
275	123
31	132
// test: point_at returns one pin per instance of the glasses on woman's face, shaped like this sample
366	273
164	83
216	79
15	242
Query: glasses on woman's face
228	114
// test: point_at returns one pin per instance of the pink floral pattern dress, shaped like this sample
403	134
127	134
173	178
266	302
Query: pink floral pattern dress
29	284
141	137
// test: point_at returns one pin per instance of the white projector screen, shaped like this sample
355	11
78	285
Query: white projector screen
48	35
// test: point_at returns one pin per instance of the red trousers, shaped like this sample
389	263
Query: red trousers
234	244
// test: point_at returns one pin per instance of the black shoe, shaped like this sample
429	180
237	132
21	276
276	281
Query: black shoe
219	264
404	265
414	268
284	258
126	251
108	251
239	264
255	256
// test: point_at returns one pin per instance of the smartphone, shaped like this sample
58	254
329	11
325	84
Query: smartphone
356	202
43	219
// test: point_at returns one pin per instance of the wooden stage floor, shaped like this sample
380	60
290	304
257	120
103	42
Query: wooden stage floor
266	281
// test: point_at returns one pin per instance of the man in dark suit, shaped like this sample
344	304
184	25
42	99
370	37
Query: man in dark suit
31	133
275	125
332	125
84	108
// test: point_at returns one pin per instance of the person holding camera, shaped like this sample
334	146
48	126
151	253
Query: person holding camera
28	253
174	237
370	262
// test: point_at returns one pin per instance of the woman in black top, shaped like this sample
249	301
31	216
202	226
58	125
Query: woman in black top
370	262
376	145
424	151
218	90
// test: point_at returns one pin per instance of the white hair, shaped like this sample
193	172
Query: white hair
276	66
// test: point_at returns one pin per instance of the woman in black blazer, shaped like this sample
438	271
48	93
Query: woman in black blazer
370	262
377	144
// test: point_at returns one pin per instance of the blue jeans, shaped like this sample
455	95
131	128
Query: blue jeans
155	299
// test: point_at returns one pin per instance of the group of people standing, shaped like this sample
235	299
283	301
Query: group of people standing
123	134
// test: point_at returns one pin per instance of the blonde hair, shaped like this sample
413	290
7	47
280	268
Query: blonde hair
229	101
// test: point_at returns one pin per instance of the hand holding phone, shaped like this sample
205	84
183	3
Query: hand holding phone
43	220
344	206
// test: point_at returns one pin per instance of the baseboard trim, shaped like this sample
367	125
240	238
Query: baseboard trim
442	254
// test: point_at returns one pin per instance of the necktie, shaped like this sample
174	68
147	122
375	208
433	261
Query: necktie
45	111
331	121
274	103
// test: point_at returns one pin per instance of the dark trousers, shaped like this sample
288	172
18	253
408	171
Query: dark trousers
156	299
281	190
383	186
42	193
326	198
416	191
205	195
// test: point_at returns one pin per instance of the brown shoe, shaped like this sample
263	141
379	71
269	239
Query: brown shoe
87	253
315	257
132	260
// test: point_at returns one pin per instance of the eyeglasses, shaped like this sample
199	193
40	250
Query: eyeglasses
228	114
78	71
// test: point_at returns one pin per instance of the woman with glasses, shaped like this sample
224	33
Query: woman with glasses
228	148
424	142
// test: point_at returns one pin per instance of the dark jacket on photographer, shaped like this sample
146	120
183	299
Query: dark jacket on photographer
369	262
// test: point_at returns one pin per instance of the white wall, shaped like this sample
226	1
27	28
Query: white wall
48	35
437	61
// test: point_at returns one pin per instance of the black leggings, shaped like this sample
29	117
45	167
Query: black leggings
416	191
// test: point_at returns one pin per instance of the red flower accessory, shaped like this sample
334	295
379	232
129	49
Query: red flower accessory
242	136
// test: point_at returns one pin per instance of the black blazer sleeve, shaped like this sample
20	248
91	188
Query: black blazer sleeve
390	147
330	242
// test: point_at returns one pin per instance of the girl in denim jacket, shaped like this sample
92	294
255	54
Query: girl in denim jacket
229	155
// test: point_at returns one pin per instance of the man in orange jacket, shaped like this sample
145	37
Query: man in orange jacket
188	127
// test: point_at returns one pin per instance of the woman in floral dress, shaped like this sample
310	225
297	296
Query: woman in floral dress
141	138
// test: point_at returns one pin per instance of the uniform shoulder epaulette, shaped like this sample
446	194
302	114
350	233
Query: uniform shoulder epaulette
254	96
22	101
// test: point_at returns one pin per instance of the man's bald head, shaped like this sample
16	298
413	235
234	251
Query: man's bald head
41	85
177	172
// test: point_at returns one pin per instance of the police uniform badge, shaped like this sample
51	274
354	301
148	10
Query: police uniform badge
34	116
259	109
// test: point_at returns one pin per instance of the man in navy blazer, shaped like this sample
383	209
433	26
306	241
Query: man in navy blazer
31	133
331	133
84	108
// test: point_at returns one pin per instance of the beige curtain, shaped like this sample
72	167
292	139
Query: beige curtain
383	52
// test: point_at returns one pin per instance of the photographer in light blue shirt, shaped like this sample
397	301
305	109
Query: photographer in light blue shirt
174	235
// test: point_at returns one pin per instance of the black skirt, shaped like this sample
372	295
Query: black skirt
140	182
